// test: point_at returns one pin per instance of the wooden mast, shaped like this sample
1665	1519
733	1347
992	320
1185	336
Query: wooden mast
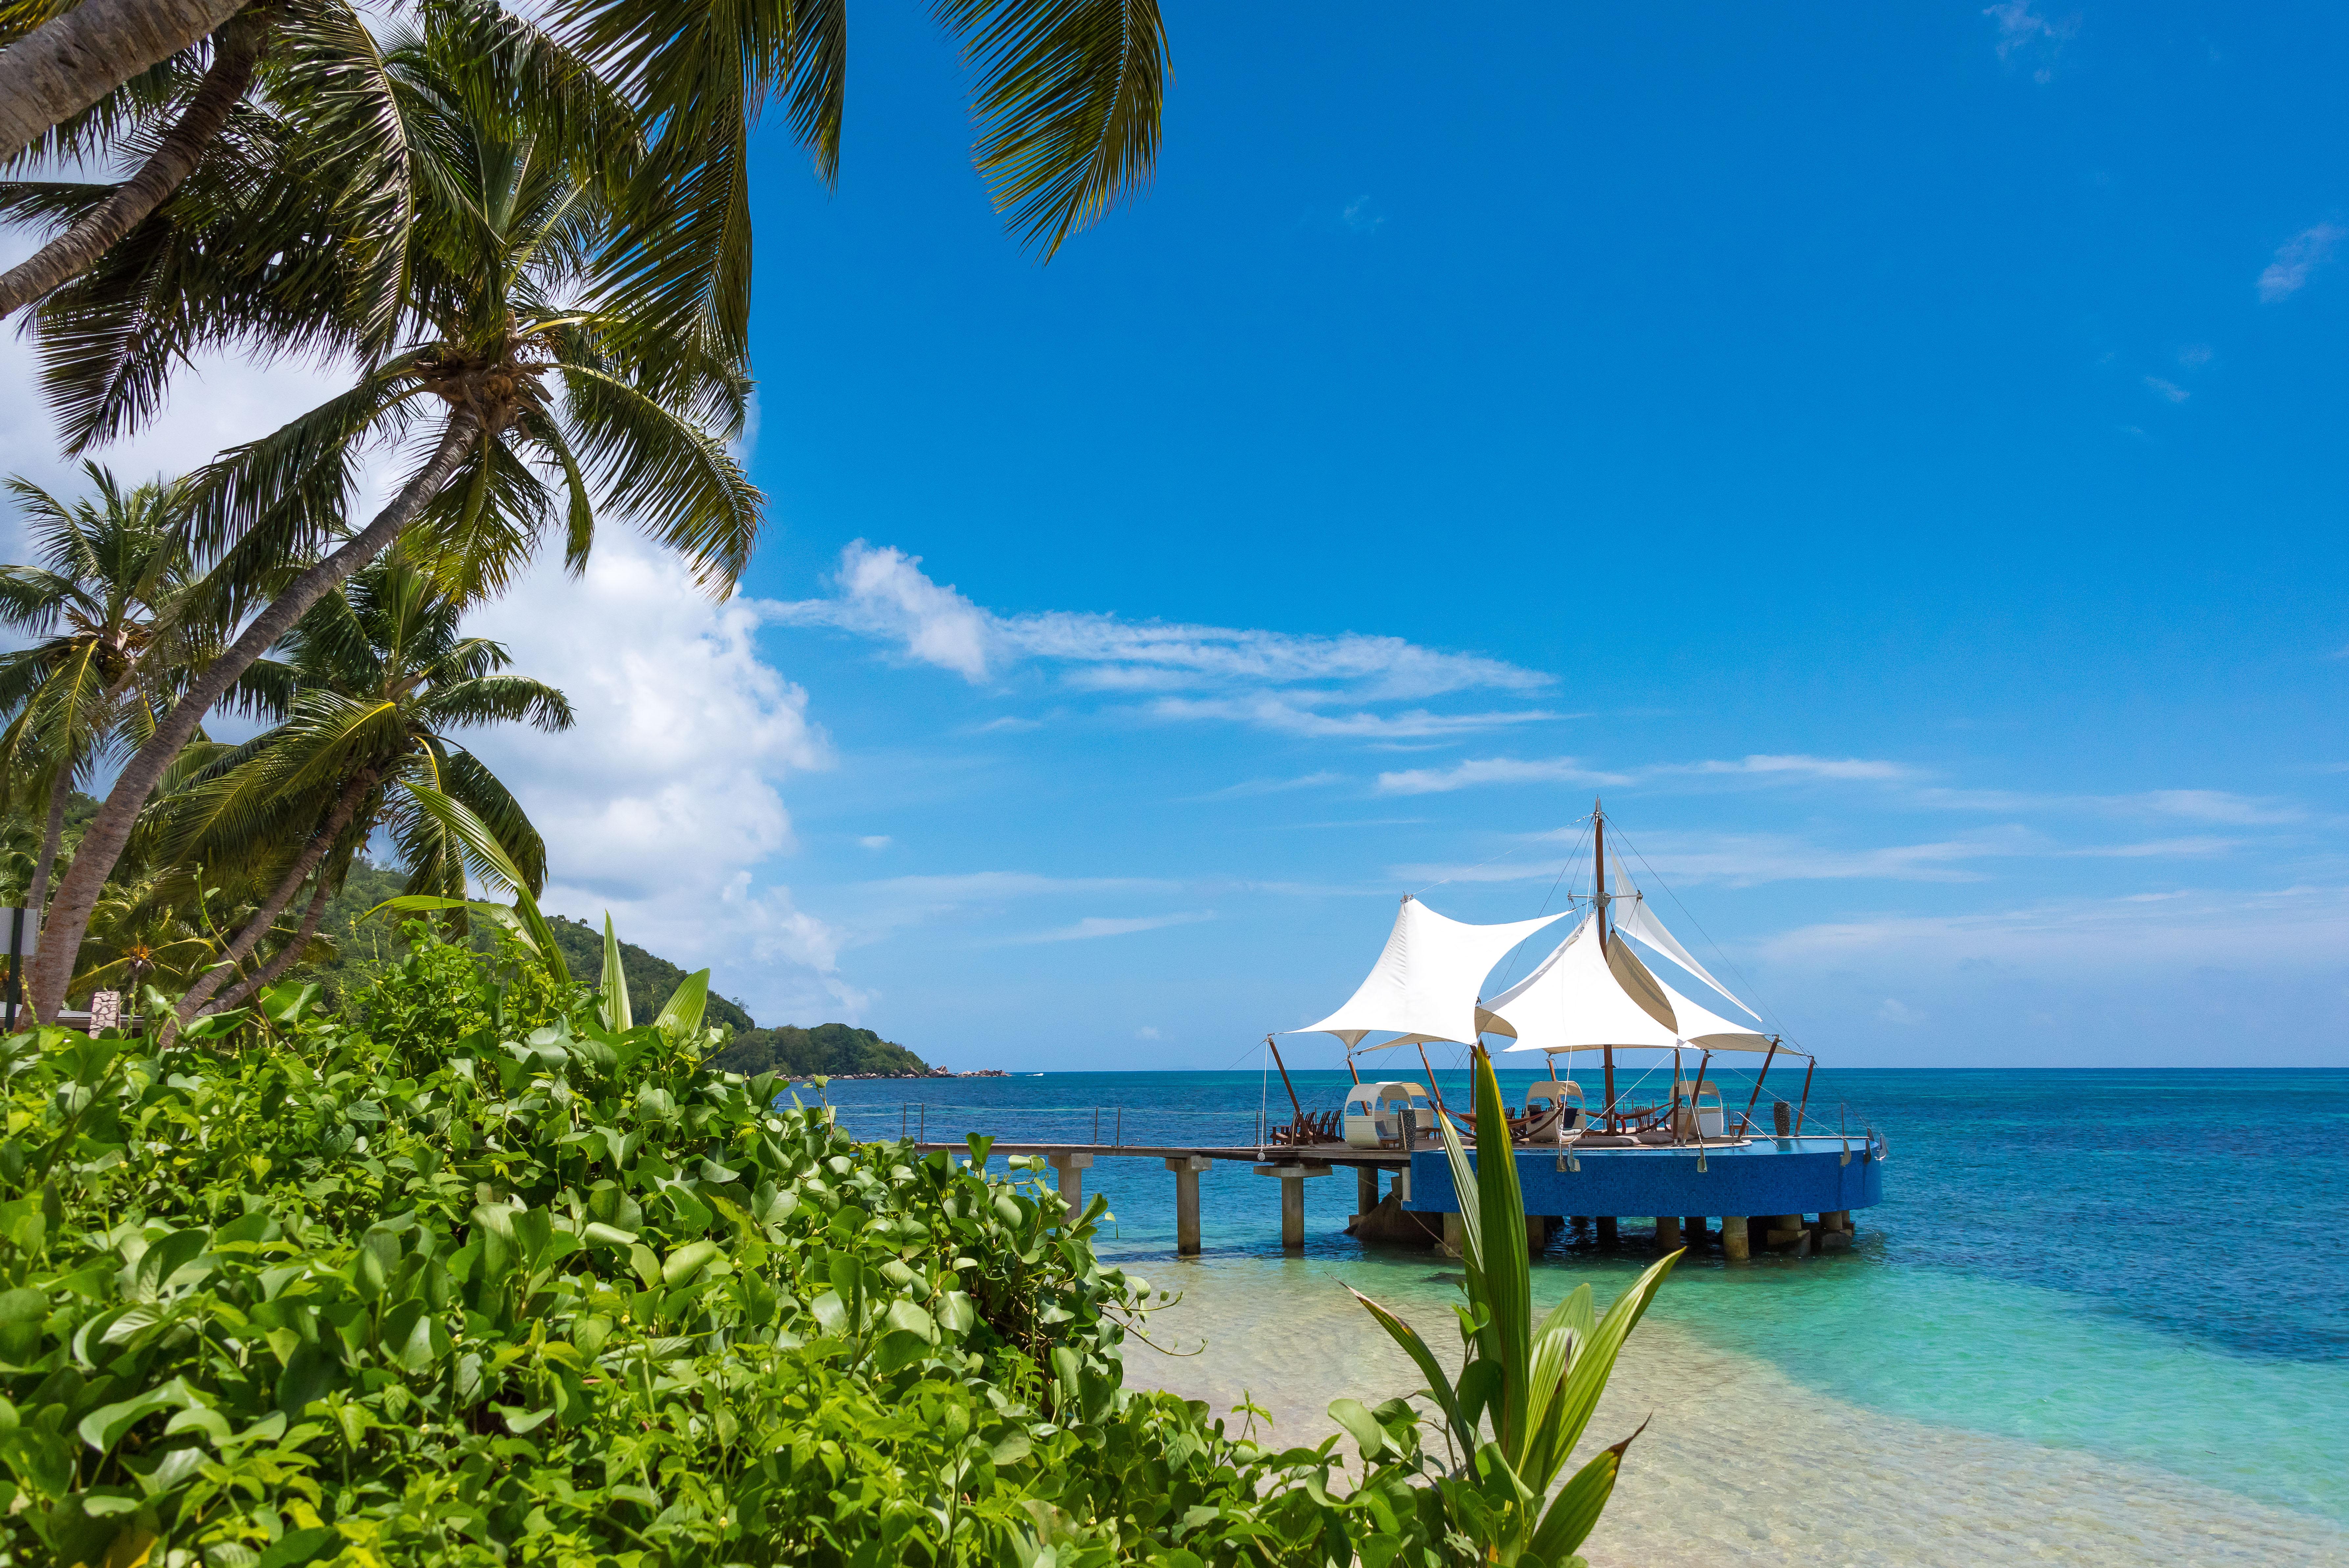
1598	900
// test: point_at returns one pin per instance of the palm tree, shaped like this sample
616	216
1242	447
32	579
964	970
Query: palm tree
1066	94
383	676
106	606
575	300
527	380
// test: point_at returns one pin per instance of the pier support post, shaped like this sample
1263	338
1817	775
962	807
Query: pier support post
1537	1234
1292	1199
1401	1186
1452	1235
1070	1169
1692	1229
1735	1245
1607	1230
1787	1233
1366	1189
1186	1168
1668	1232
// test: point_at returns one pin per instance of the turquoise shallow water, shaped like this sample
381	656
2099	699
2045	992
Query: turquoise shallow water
2101	1316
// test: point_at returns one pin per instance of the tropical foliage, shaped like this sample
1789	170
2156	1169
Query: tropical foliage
499	1283
1525	1391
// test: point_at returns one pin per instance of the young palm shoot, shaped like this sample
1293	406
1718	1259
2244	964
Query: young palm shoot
1526	1390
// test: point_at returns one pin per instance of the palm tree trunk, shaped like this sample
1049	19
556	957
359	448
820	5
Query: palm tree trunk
66	65
102	841
235	54
338	818
285	957
60	795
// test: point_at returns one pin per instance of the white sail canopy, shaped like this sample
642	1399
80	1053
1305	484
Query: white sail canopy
1427	981
1633	918
1580	997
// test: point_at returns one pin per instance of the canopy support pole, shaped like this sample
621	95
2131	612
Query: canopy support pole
1284	1077
1352	1068
1696	1099
1746	1120
1431	1087
1806	1096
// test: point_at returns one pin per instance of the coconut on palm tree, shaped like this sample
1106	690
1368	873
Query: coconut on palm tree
384	679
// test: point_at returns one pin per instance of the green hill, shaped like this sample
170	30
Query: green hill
834	1048
652	979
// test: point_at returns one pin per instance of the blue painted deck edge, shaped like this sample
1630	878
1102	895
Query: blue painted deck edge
1760	1178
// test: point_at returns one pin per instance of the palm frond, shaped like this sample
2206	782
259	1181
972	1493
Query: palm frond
1068	99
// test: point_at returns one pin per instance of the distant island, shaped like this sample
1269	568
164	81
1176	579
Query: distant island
833	1050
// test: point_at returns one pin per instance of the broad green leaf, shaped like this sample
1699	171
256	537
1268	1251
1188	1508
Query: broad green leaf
1361	1425
1579	1504
680	1015
1439	1386
614	1005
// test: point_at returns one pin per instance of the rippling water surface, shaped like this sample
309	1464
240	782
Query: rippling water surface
2102	1317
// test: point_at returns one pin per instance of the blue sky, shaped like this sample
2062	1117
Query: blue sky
1896	455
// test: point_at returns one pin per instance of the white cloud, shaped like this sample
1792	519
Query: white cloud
2170	390
1807	767
1277	681
662	801
1570	770
875	841
1248	788
1745	860
2023	31
2284	927
1146	1033
2195	805
1493	771
1360	216
1895	1011
1094	926
1275	711
2297	257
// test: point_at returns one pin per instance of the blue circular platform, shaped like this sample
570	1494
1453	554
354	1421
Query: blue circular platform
1814	1174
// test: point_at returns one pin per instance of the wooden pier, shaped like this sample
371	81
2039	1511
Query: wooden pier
1797	1192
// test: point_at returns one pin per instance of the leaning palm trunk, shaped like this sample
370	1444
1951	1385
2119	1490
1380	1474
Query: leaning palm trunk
287	956
101	844
338	821
66	65
52	835
174	158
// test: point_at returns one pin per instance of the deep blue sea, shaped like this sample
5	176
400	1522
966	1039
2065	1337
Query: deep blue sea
2101	1316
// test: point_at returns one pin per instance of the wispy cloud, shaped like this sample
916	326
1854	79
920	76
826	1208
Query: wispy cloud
2191	804
875	841
1094	926
2024	35
2295	259
1360	215
1277	681
1249	788
1487	771
1483	771
1807	767
2169	391
2280	928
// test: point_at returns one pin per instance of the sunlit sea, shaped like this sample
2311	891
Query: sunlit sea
2101	1317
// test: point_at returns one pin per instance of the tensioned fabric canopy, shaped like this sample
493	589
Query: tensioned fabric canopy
1427	981
1637	920
1579	998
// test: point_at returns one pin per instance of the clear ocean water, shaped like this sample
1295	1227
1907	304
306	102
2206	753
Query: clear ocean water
2101	1317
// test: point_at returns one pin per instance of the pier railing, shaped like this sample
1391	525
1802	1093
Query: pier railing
1098	1127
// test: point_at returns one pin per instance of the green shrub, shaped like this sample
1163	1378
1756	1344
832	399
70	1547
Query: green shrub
439	1292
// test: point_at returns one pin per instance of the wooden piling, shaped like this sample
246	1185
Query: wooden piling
1186	1168
1735	1245
1692	1229
1366	1189
1292	1199
1071	1168
1668	1232
1607	1230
